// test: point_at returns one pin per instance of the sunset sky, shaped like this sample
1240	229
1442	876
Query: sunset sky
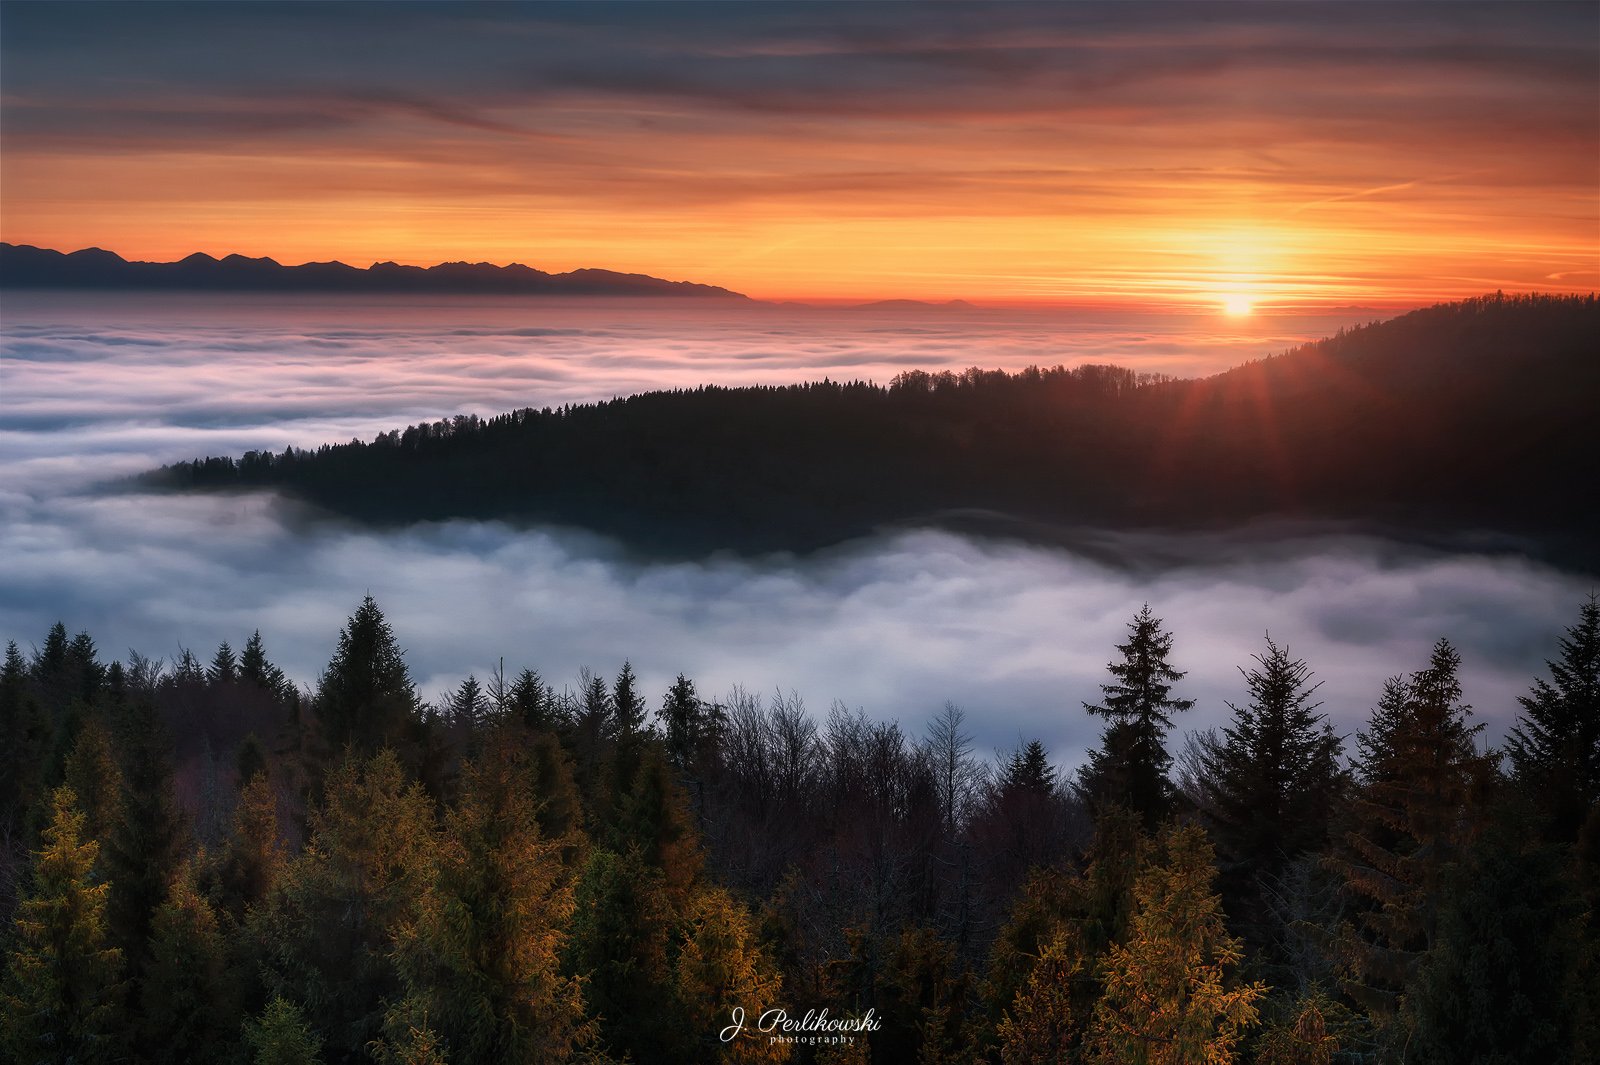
1159	155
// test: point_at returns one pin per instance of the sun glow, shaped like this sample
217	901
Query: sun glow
1236	304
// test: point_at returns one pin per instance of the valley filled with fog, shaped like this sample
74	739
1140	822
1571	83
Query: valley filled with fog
96	387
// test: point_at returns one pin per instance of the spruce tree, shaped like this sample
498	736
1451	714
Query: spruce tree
720	966
24	739
95	778
224	668
1170	997
339	904
480	960
1412	817
1555	746
1270	784
147	841
1130	768
189	1002
365	697
281	1036
62	990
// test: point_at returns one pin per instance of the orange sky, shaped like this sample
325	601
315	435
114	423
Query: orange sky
1279	156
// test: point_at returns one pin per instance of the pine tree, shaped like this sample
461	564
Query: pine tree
1419	775
24	738
1494	986
365	697
467	705
1130	768
252	859
1270	784
95	778
480	961
63	977
692	727
281	1036
189	998
147	841
1555	746
339	903
1040	1023
1169	997
719	967
224	668
620	945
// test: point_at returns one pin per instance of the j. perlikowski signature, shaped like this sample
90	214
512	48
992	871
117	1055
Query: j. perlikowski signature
815	1022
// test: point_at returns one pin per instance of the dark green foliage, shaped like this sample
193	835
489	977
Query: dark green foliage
24	739
224	668
281	1036
692	727
621	942
467	706
532	702
1270	786
1413	815
1555	747
61	996
146	843
1130	768
365	698
1496	987
1311	433
189	999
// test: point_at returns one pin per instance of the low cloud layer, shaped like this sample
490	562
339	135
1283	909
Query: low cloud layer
1019	636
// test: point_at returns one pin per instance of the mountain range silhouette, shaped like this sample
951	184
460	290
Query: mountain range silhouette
25	266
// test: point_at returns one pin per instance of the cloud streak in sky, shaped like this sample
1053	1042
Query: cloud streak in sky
823	149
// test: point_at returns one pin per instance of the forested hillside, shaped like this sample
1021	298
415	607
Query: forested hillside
203	863
1470	422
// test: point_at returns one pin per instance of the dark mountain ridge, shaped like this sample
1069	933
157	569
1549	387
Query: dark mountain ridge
1466	422
24	266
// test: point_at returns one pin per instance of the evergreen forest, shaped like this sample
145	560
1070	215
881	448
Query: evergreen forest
204	862
1464	424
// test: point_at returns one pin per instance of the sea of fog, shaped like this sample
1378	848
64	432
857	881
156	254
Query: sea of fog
1018	636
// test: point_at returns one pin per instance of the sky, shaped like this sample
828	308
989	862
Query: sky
1155	155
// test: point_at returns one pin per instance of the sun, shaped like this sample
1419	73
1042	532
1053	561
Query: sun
1236	304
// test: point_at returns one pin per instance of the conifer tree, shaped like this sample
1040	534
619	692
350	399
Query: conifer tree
1419	775
189	1003
224	668
559	809
721	966
628	710
253	859
1496	984
1169	993
1040	1023
480	960
95	778
654	820
63	986
24	737
339	903
467	705
691	726
620	945
1555	746
1130	768
281	1036
146	843
1270	784
365	697
532	702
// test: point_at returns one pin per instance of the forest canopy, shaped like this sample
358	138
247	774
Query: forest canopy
1462	424
204	862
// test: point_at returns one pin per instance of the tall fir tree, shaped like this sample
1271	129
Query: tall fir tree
189	1002
63	982
480	960
224	668
365	697
1270	786
281	1036
720	966
1170	994
1130	767
1555	745
338	905
1413	814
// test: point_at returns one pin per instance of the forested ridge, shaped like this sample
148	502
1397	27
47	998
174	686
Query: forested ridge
1471	421
205	863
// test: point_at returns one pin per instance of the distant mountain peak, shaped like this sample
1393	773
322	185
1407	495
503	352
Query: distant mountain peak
25	266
